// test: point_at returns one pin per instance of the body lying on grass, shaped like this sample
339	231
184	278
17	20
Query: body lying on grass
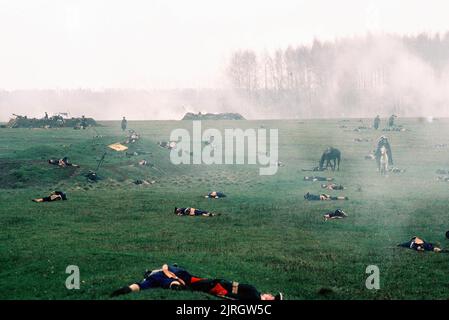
337	214
332	186
314	169
54	196
315	178
193	212
419	244
172	277
323	196
64	162
215	195
396	170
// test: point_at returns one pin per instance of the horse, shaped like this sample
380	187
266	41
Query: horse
383	163
331	154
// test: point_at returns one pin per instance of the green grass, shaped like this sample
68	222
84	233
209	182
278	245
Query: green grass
268	235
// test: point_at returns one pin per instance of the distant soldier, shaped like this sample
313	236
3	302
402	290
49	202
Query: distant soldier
391	121
376	122
124	123
83	123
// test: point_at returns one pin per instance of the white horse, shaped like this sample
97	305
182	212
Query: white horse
383	161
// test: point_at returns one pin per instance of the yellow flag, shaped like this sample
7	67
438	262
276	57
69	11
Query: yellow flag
118	147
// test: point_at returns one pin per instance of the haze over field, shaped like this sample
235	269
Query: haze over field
265	59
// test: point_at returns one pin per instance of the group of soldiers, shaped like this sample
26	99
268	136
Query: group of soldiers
390	121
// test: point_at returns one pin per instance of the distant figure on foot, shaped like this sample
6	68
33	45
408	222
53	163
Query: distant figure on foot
124	124
391	120
376	122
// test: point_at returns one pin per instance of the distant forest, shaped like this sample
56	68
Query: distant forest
349	77
357	76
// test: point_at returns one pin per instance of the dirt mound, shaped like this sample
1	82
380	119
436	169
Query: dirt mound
52	122
213	116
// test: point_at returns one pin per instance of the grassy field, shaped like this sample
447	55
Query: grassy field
267	235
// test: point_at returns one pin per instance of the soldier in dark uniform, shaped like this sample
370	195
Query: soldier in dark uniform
391	121
322	197
168	277
419	244
83	123
193	212
124	123
54	196
231	290
376	122
173	277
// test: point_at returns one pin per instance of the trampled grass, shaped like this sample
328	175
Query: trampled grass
267	235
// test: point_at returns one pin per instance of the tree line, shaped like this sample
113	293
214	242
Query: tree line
381	73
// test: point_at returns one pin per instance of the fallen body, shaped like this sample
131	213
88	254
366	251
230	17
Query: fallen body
215	195
396	170
167	144
193	212
419	244
361	140
64	162
172	277
315	169
54	196
322	197
332	186
314	178
338	214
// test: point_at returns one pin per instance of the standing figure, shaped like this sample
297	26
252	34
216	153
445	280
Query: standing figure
391	121
376	122
83	122
124	123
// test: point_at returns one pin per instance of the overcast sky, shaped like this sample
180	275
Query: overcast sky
167	44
